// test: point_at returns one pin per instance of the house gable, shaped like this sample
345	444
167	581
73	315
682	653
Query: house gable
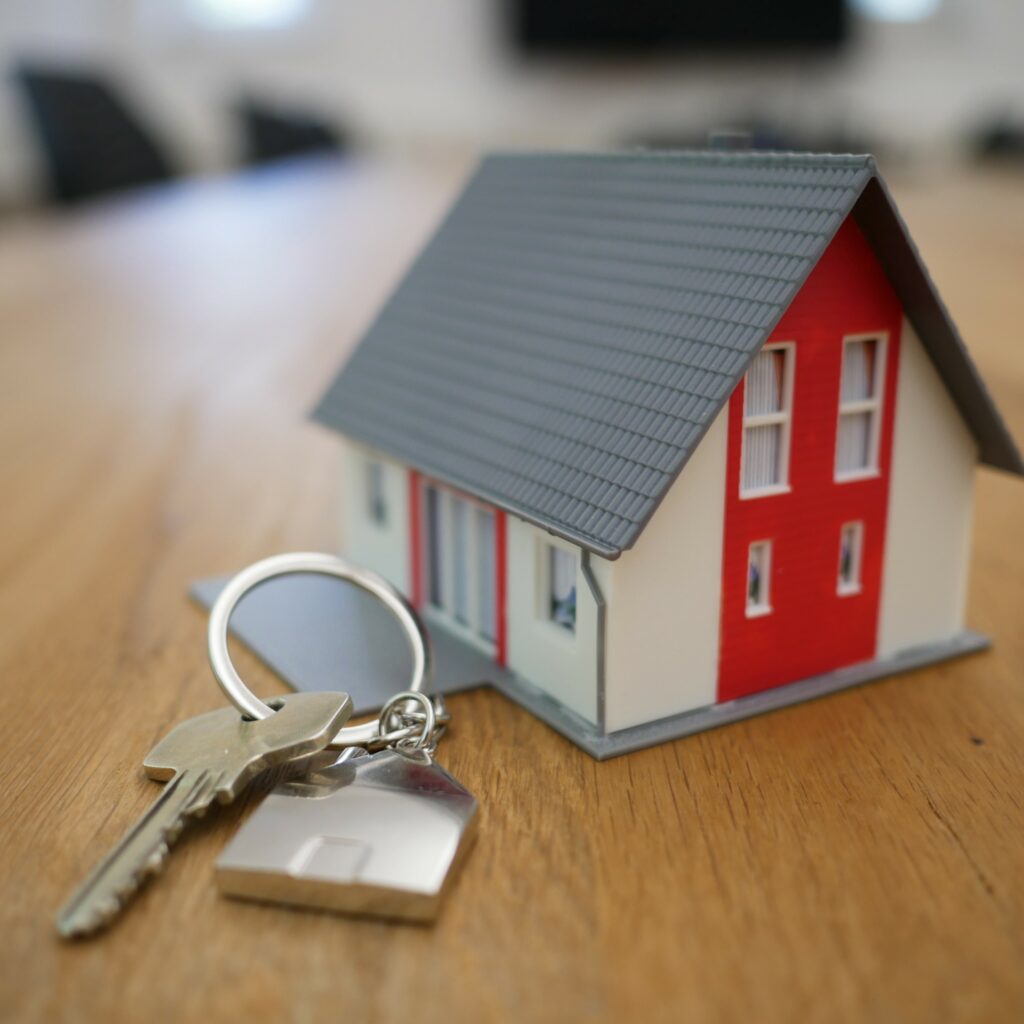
809	624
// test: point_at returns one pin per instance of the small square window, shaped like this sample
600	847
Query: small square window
376	495
851	543
759	568
561	587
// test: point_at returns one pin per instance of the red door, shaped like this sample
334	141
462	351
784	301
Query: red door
802	559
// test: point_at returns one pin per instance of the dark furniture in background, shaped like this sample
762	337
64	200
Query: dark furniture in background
270	133
91	141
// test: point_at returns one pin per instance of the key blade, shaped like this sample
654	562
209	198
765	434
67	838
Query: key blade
141	852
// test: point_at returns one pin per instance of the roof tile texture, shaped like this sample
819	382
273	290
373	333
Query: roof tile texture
568	335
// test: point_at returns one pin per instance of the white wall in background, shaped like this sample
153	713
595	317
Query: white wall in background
413	74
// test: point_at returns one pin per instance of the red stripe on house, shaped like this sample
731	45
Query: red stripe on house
501	588
811	628
415	542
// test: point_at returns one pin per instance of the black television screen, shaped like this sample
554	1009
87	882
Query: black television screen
623	26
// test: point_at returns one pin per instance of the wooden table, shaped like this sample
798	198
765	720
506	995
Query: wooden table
858	857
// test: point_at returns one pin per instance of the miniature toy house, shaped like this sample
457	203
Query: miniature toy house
670	439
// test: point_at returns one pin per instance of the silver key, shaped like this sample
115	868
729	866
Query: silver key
210	757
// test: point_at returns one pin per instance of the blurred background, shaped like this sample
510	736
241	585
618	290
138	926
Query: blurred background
99	95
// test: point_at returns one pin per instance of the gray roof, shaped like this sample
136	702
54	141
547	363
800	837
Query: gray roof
568	335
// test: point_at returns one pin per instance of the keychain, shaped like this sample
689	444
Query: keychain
381	830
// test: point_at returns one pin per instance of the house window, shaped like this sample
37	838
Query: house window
486	574
860	404
376	496
759	570
460	561
459	522
767	413
434	524
851	544
561	587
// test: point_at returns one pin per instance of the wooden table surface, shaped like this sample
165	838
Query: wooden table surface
857	857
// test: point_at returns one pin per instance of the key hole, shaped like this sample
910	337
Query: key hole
274	703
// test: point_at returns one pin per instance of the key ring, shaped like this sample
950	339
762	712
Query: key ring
245	700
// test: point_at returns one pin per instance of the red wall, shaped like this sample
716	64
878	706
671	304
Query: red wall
811	629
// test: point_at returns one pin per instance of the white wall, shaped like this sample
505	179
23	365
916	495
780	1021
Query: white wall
561	663
381	547
665	598
927	546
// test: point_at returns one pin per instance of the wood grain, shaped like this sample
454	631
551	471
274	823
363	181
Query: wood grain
858	857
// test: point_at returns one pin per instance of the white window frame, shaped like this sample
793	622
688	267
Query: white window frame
872	405
470	630
783	417
375	475
545	545
845	588
764	606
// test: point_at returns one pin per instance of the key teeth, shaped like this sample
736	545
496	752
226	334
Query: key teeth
154	864
108	909
102	913
156	860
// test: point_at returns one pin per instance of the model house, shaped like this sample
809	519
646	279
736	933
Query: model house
668	439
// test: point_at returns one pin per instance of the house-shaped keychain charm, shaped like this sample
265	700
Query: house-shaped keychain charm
377	834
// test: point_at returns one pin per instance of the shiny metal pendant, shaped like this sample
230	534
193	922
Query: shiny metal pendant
378	834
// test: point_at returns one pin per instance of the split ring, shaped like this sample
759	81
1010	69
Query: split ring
324	565
423	733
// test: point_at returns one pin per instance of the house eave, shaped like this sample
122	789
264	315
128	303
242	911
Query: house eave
580	540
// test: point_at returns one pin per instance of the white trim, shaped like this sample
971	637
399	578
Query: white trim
764	492
764	606
852	475
846	588
873	405
784	418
